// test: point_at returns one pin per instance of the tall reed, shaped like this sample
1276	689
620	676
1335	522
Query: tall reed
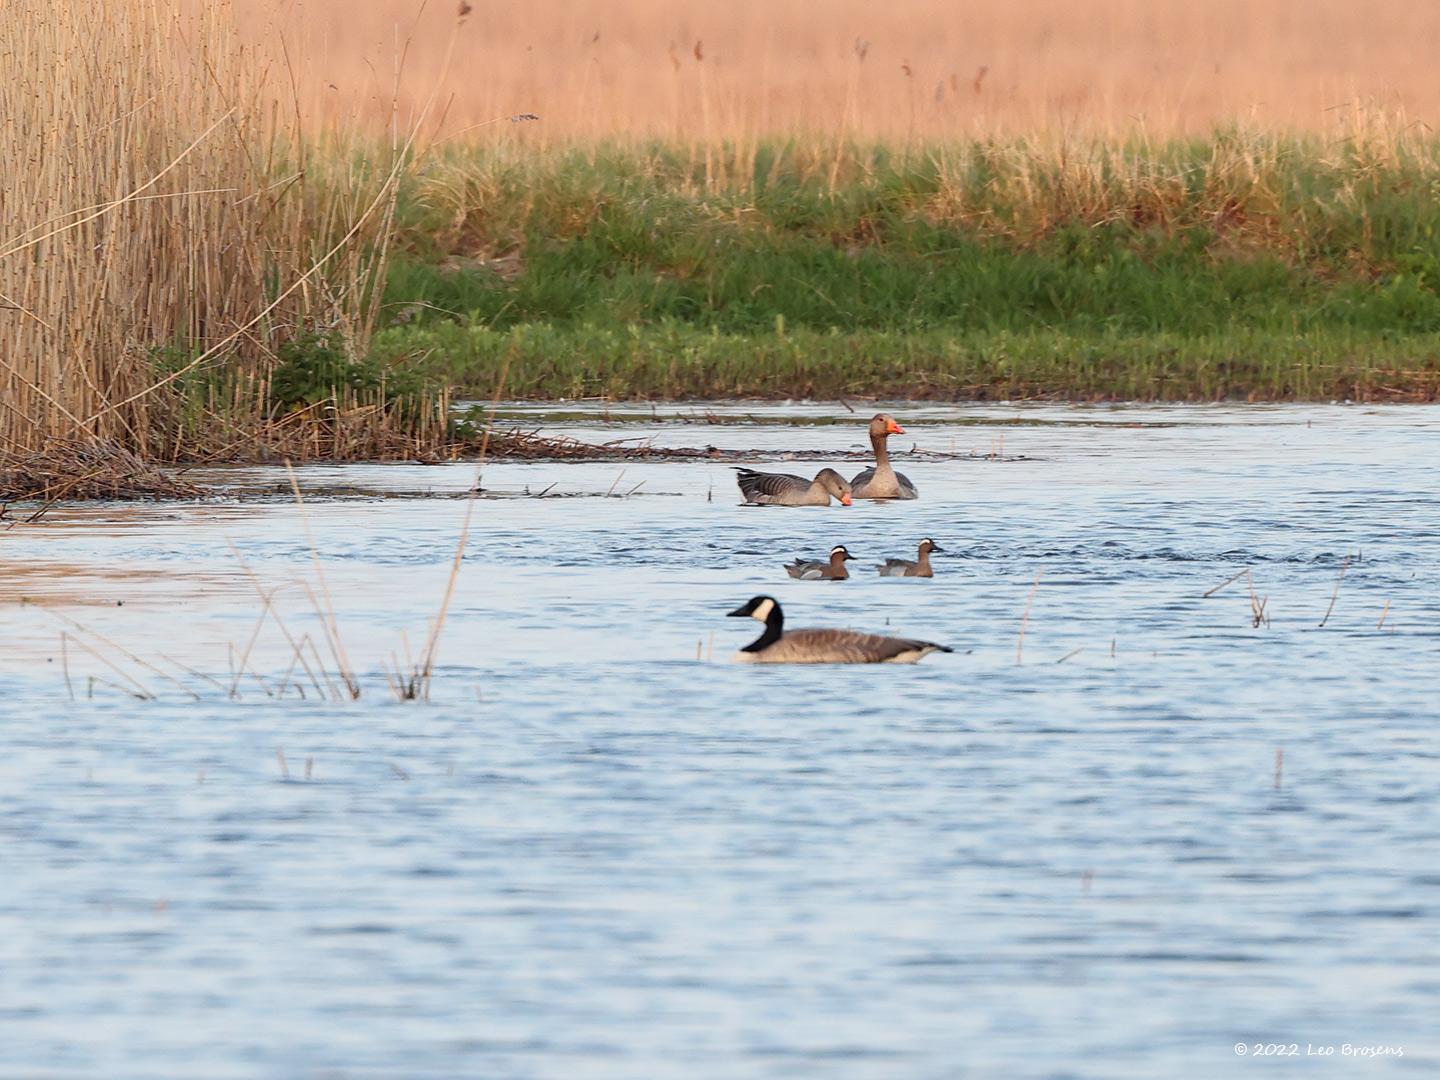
164	231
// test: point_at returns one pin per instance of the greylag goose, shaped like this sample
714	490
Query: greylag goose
882	482
811	570
786	489
905	568
775	646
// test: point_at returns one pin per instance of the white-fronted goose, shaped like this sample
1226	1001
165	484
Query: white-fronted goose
786	489
811	570
775	646
882	482
905	568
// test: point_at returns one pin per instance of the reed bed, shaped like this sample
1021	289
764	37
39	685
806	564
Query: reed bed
167	232
692	70
89	469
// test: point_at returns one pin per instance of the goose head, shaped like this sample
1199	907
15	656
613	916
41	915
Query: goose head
759	608
835	484
884	424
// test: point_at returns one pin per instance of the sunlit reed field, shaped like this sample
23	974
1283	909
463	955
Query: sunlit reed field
695	69
288	233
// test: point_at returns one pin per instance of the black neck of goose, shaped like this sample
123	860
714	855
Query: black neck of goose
774	625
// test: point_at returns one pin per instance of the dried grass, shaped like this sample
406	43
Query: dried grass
96	469
699	71
165	229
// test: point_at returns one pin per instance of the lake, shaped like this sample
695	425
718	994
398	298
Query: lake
1151	832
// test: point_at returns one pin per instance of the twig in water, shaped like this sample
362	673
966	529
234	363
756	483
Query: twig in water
1384	611
123	652
327	612
309	767
420	680
65	664
1025	619
1227	581
616	481
1343	567
1279	765
1258	617
1068	655
284	768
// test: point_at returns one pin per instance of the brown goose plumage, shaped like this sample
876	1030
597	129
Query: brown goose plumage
775	646
882	482
786	489
905	568
813	570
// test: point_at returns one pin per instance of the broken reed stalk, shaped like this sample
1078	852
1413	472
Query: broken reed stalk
327	612
65	665
1228	581
1025	619
126	653
297	647
421	677
1343	567
1383	612
1279	765
1258	616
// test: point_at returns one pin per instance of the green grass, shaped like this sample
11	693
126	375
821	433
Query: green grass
1259	267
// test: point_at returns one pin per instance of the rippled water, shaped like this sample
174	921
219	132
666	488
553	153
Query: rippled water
591	855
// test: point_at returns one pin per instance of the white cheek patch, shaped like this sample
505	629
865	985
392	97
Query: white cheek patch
763	611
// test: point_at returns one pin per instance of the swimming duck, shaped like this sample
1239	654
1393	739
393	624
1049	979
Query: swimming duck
905	568
882	482
786	489
775	646
810	570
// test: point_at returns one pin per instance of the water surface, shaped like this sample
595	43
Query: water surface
591	854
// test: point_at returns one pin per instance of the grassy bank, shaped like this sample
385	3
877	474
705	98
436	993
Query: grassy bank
1238	266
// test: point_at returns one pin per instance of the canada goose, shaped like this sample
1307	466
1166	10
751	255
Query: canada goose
810	570
786	489
905	568
882	482
775	646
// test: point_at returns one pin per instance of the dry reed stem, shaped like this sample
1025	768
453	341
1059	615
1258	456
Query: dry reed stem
1025	619
126	653
1228	581
1343	567
792	67
327	612
420	679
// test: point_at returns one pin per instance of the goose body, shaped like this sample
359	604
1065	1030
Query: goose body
812	570
905	568
786	489
812	646
883	482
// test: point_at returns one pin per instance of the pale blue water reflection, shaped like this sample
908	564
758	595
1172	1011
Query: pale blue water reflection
590	855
